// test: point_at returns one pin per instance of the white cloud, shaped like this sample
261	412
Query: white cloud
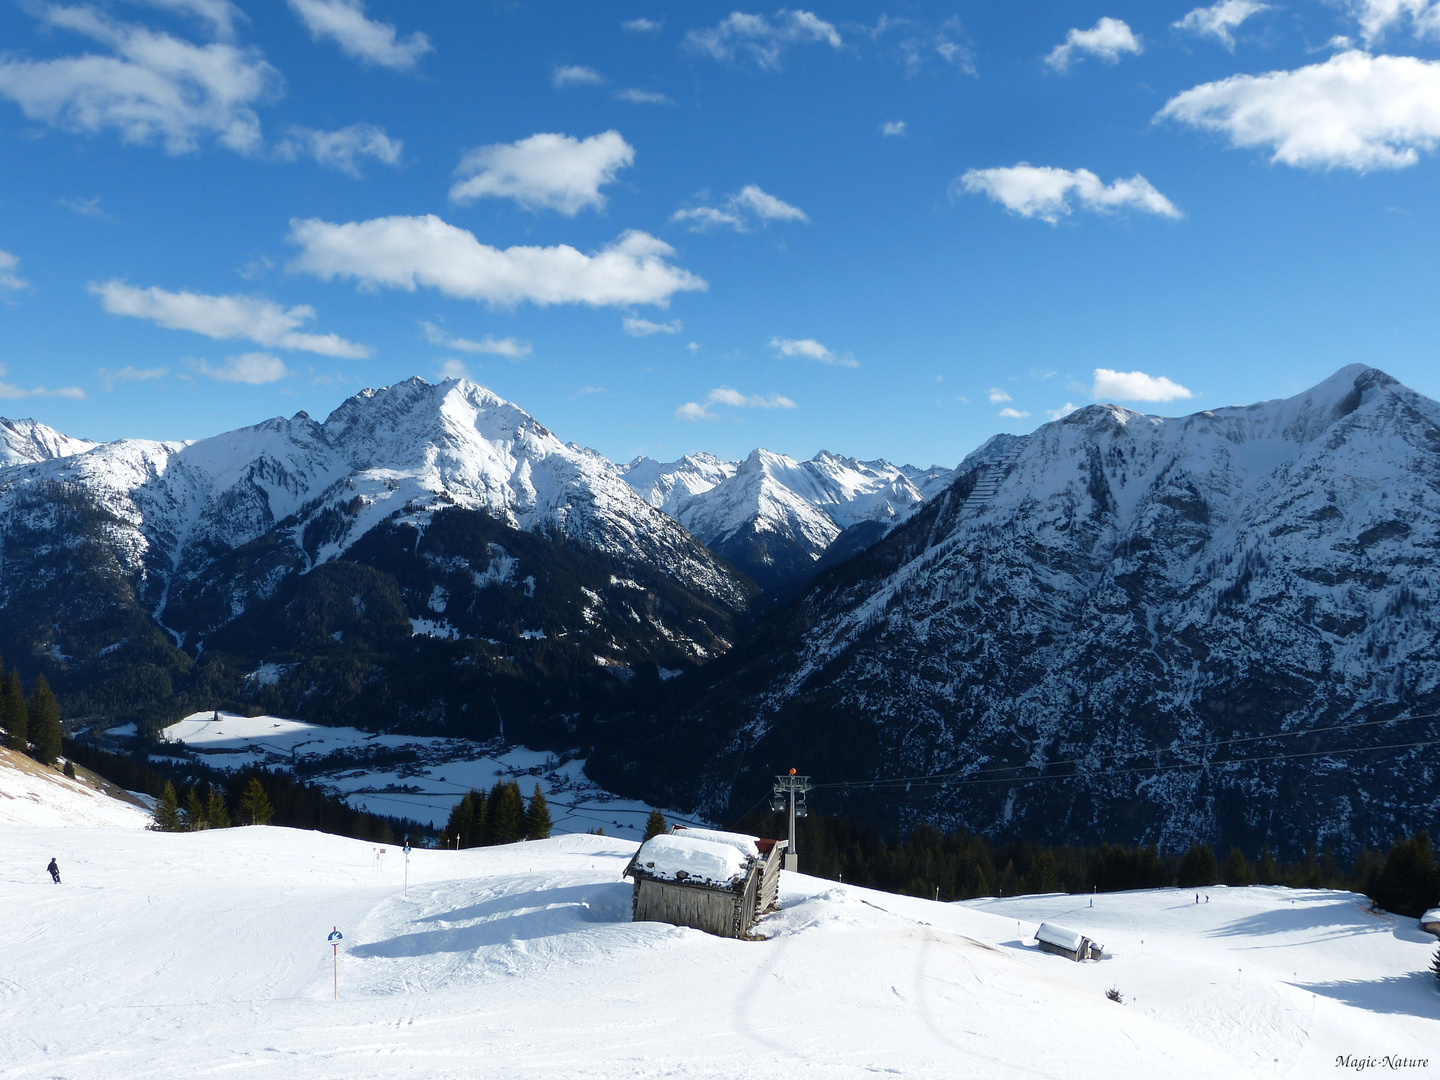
1045	192
511	348
544	172
756	38
1376	17
1219	19
344	22
725	395
1107	39
644	327
154	88
86	207
1354	111
224	317
642	26
643	97
917	45
253	369
342	149
453	369
220	15
738	211
11	392
575	75
1135	386
9	279
892	127
694	346
810	349
998	396
1013	414
403	252
1063	411
129	373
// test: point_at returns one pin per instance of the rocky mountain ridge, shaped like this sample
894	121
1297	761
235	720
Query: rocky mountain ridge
1069	641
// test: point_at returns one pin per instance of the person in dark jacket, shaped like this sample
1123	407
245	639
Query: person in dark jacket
54	869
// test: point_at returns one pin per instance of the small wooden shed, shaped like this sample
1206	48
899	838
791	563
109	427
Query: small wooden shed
714	881
1430	921
1068	943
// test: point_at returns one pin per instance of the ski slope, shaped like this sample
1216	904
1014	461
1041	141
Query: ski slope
199	954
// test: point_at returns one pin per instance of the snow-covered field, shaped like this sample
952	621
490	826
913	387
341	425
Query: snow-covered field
419	777
195	954
31	794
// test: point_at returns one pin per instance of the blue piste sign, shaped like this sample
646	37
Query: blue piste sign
334	937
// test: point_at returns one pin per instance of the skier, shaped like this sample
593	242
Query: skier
54	869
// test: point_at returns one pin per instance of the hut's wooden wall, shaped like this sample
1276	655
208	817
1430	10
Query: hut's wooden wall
711	910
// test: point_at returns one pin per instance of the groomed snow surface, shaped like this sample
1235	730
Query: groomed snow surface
199	954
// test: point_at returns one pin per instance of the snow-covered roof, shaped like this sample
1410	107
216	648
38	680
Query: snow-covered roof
741	842
1431	916
684	858
1060	936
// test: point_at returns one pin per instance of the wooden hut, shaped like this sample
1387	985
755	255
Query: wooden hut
1430	921
1068	943
718	882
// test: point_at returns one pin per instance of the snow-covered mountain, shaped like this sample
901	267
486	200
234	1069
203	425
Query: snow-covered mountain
26	441
194	537
1110	586
775	517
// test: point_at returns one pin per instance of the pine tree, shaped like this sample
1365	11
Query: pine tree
1198	867
1435	963
655	824
167	810
255	808
1237	868
44	713
1266	872
537	817
466	824
70	769
506	814
217	814
14	717
1409	880
195	818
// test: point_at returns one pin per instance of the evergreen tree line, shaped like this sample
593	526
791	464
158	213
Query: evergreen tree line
480	820
31	723
962	864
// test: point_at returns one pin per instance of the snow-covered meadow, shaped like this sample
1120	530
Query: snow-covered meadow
420	777
192	954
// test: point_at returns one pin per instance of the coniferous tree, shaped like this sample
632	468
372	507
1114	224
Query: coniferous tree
14	716
1237	868
167	811
537	817
465	827
506	814
44	713
655	824
1435	963
1198	867
255	808
70	768
217	814
1409	881
194	811
1266	872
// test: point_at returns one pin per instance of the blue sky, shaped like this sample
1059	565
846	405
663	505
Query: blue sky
883	230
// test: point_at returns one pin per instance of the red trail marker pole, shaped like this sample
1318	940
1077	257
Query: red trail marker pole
334	940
